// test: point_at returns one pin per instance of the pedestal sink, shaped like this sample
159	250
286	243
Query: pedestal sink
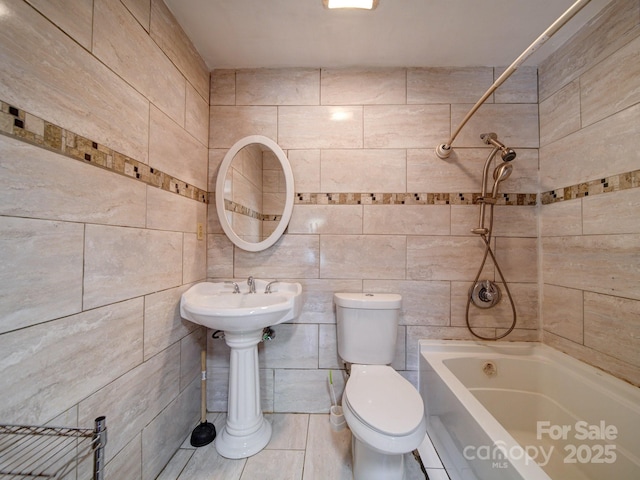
242	316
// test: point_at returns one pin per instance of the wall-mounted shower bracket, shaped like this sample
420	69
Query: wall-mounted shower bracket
485	294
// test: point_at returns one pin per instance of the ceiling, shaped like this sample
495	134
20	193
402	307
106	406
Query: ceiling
302	33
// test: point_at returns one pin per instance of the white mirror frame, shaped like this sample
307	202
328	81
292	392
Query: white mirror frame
289	195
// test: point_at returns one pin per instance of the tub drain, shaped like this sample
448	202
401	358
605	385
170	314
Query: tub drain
490	369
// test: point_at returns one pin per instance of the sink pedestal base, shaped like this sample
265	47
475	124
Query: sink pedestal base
246	431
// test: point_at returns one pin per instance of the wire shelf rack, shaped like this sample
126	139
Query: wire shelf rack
34	452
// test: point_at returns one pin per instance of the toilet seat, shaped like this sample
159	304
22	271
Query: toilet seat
383	400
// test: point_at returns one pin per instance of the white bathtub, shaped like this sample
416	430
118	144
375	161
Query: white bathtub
542	415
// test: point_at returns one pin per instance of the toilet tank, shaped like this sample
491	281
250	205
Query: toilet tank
367	326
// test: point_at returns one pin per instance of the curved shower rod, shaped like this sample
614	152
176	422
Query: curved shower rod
444	149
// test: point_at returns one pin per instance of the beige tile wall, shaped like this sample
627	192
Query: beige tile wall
94	261
375	209
590	132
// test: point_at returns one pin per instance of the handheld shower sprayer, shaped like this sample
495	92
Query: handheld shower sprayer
500	174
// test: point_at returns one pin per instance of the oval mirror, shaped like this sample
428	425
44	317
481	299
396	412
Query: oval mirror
254	193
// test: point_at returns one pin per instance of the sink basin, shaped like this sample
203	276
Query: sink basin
242	316
216	306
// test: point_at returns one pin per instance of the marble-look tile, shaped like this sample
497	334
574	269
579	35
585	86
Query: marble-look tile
295	346
127	463
289	431
167	33
593	152
177	464
306	169
74	17
219	256
45	379
42	184
163	325
385	171
445	258
293	256
191	348
423	303
206	460
278	86
562	312
161	436
407	219
168	211
175	151
606	33
597	217
328	343
117	266
578	262
196	120
461	172
328	452
50	83
520	87
274	465
612	326
622	69
618	368
405	126
560	113
223	87
363	86
562	218
518	258
326	219
447	84
320	127
515	124
228	124
135	57
508	221
216	156
41	274
363	256
317	298
141	9
194	254
126	402
304	391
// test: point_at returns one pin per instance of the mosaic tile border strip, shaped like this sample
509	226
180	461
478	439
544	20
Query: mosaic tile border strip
24	126
242	210
613	183
520	199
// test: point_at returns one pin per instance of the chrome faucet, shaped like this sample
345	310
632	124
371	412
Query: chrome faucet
268	287
236	288
252	285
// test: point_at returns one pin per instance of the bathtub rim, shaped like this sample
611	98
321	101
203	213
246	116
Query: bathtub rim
435	352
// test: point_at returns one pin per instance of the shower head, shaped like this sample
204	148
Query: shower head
507	154
500	174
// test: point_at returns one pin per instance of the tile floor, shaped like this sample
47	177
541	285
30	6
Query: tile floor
302	447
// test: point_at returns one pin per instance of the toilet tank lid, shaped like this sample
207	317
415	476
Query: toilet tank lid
373	301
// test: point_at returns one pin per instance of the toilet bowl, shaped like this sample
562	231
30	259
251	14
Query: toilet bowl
386	416
383	410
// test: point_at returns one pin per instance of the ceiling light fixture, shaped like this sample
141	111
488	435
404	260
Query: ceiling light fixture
364	4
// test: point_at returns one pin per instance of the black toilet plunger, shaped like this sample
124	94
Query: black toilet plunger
204	433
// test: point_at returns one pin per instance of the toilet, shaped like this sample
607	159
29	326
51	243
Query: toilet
383	410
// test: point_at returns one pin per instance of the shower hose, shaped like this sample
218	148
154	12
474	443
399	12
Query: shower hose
486	237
